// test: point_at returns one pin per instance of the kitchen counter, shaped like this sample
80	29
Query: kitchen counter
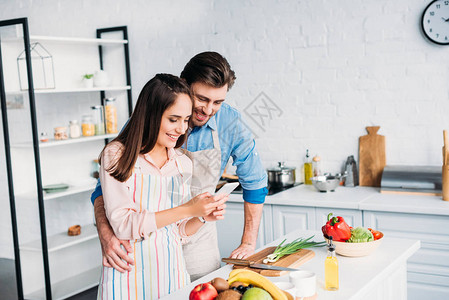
381	275
360	198
303	207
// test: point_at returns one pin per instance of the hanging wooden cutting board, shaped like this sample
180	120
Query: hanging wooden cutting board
289	261
372	158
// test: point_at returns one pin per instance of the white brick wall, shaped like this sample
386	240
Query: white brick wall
333	67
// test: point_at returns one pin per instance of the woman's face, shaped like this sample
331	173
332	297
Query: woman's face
175	121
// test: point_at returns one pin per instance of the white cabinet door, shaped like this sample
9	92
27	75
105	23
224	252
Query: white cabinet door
352	217
230	229
287	218
428	268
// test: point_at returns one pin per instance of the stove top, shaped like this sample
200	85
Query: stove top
271	189
274	190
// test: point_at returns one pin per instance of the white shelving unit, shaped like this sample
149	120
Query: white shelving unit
62	240
68	40
74	90
75	40
73	263
75	284
72	190
55	143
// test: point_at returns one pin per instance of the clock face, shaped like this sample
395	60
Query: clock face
435	22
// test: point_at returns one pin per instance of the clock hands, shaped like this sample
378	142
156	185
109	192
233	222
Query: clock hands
445	20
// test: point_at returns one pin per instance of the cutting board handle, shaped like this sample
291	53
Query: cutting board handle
372	130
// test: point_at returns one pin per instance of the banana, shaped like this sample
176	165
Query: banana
236	271
251	277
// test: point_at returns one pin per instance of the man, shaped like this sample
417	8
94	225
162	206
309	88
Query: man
217	133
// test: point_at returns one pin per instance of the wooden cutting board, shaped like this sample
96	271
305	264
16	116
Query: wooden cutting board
290	261
372	158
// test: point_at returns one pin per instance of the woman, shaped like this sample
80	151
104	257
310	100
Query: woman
146	185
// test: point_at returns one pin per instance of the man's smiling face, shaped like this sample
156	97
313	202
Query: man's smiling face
207	101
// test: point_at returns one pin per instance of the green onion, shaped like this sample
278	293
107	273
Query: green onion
292	247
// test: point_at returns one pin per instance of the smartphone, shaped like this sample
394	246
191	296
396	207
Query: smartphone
227	188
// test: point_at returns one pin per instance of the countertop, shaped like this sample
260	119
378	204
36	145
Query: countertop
357	274
360	198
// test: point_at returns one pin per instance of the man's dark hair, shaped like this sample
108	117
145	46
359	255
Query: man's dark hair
210	68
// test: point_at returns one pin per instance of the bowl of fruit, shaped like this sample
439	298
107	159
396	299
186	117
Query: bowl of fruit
348	241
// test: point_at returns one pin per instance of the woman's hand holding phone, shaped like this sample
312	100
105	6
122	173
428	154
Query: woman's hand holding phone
205	204
221	196
218	213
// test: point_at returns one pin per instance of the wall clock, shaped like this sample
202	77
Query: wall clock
435	22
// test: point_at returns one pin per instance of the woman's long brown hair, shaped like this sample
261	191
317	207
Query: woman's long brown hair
140	134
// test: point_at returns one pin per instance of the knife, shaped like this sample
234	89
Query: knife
252	264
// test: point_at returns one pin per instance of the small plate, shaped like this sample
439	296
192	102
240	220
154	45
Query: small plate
54	188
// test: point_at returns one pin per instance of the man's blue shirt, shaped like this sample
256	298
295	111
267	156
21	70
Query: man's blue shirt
236	140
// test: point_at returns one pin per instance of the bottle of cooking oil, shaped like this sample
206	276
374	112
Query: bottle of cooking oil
308	171
331	268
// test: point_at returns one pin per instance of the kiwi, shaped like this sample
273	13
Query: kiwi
220	284
229	295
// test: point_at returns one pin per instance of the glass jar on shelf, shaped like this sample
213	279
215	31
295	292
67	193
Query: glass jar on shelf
74	128
110	115
44	137
87	126
98	119
60	133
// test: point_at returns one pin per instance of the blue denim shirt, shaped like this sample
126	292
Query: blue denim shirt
236	140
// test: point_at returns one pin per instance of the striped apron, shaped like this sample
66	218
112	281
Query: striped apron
159	266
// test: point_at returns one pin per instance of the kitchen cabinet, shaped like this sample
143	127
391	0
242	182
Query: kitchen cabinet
56	266
352	217
428	268
288	218
230	229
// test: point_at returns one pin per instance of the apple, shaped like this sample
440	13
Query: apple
203	291
256	293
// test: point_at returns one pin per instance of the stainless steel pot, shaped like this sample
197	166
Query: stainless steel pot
281	176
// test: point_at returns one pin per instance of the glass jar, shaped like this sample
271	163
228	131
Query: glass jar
60	133
87	126
98	119
44	137
74	128
316	165
110	111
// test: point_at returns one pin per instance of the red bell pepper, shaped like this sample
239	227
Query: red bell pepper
337	228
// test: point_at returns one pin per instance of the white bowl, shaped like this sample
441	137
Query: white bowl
356	249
